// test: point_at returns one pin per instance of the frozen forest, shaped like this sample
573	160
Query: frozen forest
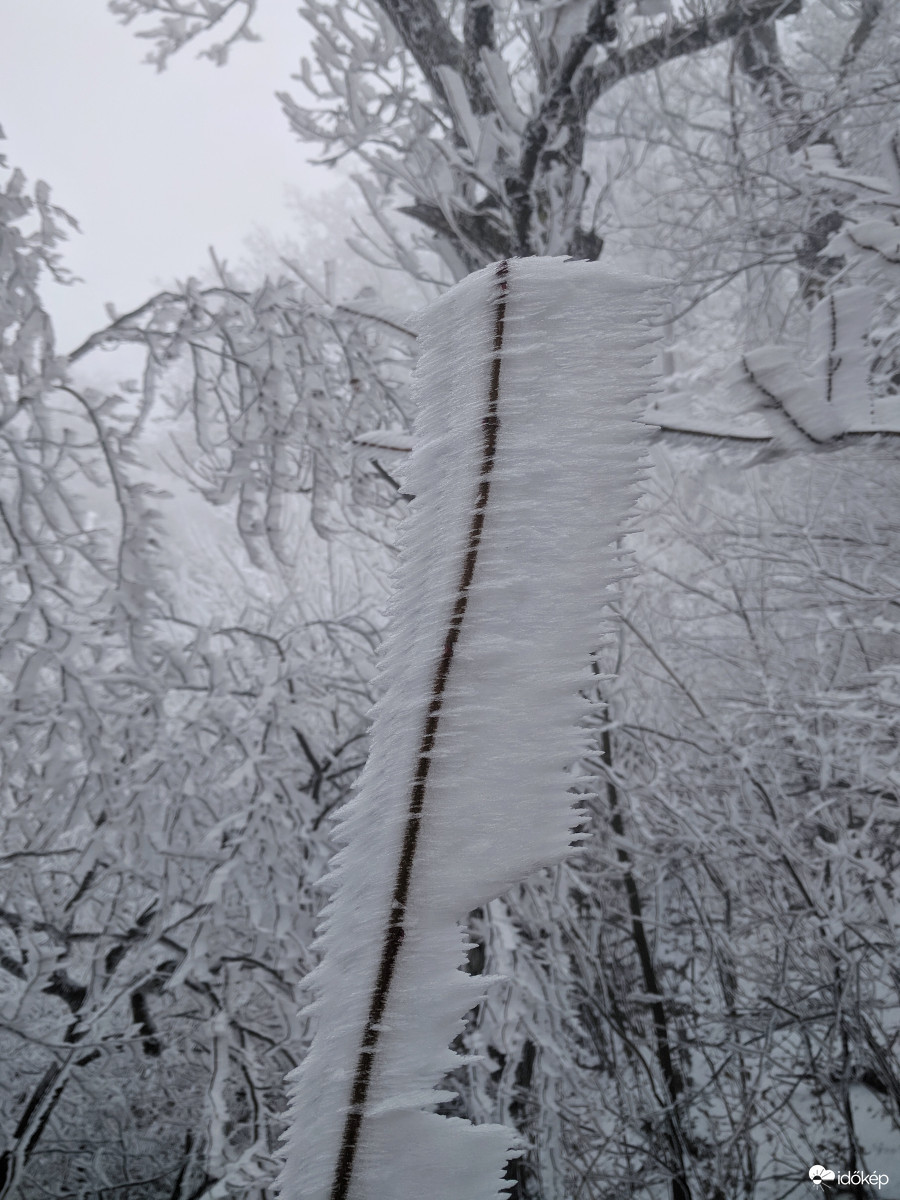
677	975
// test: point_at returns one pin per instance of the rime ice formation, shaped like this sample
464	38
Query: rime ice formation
828	396
529	387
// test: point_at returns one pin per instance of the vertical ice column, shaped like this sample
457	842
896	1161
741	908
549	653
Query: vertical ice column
524	476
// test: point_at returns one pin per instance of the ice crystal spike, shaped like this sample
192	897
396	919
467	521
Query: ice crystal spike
526	450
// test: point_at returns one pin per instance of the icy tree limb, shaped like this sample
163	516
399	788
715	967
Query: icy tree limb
681	38
433	45
870	11
815	401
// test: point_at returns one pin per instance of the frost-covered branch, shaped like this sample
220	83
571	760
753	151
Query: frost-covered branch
680	39
152	709
183	21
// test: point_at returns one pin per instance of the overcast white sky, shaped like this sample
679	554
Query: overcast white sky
155	167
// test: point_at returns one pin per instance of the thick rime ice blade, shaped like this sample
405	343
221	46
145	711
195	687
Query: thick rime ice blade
817	403
526	451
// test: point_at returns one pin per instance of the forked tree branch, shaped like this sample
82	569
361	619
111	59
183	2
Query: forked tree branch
679	39
433	45
576	89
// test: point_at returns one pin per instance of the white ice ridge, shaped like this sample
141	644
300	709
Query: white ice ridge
530	388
